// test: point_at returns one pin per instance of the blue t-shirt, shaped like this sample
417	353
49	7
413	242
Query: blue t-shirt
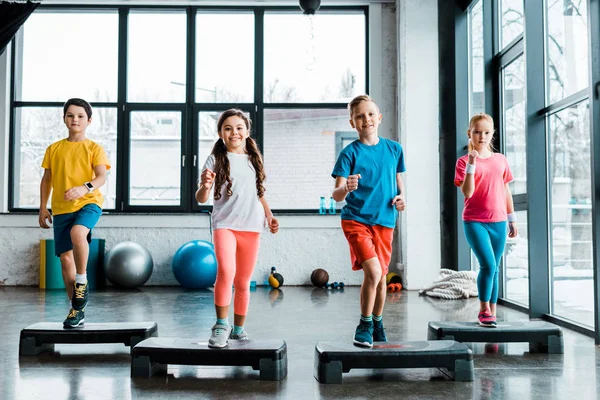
371	203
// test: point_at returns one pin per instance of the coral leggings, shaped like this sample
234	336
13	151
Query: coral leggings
237	252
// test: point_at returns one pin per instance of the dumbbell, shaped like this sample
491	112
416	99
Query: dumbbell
394	287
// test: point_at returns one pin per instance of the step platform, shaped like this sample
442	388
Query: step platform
542	336
334	358
43	336
155	354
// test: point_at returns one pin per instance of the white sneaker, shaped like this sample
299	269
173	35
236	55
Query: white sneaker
219	335
239	336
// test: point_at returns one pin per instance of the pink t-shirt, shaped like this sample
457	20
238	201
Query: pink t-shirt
488	203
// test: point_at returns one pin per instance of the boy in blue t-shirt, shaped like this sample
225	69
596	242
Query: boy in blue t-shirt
371	210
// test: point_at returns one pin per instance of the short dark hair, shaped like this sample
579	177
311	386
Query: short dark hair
79	103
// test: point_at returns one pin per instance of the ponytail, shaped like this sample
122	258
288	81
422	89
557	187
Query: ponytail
257	162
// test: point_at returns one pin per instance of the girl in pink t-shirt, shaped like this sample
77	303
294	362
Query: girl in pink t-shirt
483	177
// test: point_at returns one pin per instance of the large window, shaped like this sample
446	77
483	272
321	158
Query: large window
515	140
567	44
300	151
158	79
156	56
477	67
224	57
570	173
571	212
55	43
516	263
511	21
320	60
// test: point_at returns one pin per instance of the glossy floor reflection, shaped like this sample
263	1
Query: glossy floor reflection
301	316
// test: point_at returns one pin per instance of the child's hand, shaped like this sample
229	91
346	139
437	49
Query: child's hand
207	178
399	202
352	183
75	193
473	157
273	224
512	230
44	218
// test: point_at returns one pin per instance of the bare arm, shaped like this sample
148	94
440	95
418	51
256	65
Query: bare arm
510	208
271	220
513	231
207	180
265	205
45	189
100	179
398	200
202	194
468	185
400	184
340	192
343	186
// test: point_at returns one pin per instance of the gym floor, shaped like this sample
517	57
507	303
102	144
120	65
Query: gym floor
299	315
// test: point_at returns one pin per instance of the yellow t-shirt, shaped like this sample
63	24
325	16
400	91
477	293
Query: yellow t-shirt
72	164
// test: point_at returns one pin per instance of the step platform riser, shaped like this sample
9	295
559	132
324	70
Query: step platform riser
154	355
543	337
334	359
41	337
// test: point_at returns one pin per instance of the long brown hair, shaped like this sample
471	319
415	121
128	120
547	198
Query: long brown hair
219	151
476	118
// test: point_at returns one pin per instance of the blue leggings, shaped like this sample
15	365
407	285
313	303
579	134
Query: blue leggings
487	239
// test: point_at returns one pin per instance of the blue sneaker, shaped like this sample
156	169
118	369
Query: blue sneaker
74	319
80	296
379	332
364	335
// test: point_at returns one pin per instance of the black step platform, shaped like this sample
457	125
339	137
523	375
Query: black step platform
332	359
542	336
155	354
43	336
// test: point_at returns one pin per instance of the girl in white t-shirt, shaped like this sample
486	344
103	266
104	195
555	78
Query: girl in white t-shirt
240	210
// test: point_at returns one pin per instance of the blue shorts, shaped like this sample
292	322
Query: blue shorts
87	216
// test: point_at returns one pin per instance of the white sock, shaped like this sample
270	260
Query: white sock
81	279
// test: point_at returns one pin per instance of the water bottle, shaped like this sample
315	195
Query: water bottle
331	205
323	206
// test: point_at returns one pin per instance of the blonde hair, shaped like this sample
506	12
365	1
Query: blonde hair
359	99
476	118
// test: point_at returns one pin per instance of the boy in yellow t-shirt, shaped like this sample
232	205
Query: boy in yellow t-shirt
74	169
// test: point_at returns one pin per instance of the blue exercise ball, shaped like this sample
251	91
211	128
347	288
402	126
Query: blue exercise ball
195	265
128	265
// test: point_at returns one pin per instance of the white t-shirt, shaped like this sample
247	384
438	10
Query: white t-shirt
243	210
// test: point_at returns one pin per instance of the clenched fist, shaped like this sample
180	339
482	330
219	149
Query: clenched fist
352	183
473	154
207	178
398	201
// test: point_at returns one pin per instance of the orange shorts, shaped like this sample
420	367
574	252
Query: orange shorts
368	241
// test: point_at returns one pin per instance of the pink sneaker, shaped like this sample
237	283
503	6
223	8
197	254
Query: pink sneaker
486	319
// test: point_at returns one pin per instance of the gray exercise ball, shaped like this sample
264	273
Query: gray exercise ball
128	265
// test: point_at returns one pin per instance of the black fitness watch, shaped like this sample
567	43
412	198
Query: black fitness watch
89	186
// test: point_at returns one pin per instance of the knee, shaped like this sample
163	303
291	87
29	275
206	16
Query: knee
372	277
224	277
79	235
241	284
66	260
